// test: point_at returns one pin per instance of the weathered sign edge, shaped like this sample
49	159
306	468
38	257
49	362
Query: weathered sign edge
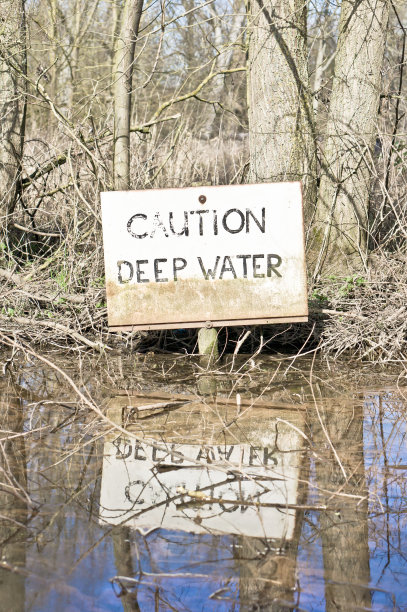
216	323
200	187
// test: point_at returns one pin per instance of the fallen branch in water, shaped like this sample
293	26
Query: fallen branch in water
199	496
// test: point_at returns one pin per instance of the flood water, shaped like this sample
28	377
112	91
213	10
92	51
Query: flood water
267	484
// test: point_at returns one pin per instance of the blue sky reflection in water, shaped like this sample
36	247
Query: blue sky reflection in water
385	454
69	557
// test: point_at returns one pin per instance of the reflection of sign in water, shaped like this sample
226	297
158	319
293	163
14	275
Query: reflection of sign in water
162	485
220	254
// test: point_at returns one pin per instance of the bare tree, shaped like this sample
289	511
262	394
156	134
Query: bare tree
222	62
282	143
341	228
324	55
123	77
12	101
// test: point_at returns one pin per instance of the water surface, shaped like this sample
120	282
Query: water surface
265	485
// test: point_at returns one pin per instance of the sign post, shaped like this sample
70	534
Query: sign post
204	256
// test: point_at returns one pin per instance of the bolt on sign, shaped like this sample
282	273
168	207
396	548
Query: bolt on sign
204	256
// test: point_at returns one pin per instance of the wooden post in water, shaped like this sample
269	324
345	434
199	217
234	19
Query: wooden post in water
207	336
209	352
208	343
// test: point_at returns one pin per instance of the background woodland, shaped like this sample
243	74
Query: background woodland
131	94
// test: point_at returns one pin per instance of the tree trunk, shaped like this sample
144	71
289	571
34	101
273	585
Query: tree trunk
13	501
344	534
123	560
322	62
13	66
281	123
53	54
75	57
123	76
341	228
223	62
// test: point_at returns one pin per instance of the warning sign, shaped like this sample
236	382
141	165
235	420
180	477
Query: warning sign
204	256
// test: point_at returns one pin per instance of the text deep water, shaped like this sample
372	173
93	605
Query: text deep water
198	223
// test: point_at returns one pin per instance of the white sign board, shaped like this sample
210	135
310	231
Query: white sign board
148	487
204	255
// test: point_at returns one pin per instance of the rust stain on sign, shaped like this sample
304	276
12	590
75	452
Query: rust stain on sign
173	258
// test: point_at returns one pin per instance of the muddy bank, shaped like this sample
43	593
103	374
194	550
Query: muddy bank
360	316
